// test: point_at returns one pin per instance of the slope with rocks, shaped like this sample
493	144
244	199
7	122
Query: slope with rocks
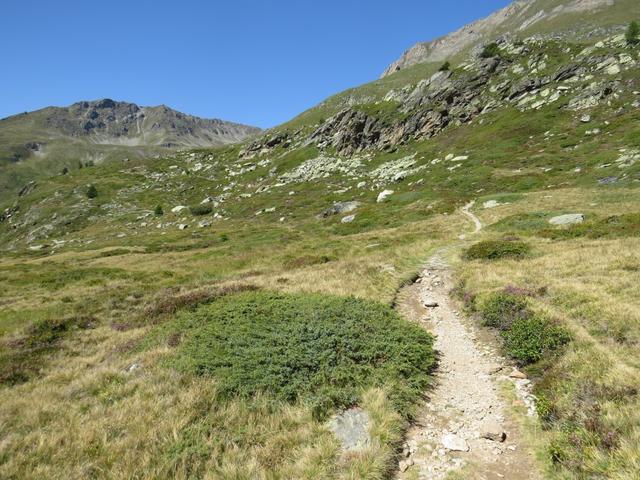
349	198
550	18
92	131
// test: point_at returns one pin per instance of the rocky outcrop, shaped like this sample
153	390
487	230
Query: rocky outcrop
519	16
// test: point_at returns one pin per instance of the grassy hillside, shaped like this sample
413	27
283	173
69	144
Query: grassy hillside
158	328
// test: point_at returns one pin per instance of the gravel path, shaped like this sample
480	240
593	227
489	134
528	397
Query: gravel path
464	421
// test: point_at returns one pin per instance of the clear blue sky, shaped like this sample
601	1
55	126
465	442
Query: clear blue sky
250	61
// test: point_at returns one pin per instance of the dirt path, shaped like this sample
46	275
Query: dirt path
465	404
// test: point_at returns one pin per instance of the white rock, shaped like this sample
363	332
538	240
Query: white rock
183	226
569	219
491	204
454	443
348	219
382	196
178	209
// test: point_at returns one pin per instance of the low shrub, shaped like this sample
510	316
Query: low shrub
200	210
490	50
496	249
529	339
502	309
323	350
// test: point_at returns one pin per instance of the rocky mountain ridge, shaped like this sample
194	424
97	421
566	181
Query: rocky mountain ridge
520	17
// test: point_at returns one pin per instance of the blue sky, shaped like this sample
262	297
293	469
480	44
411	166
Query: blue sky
255	62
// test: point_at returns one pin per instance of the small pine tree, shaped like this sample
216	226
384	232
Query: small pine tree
633	33
92	191
158	211
490	50
445	67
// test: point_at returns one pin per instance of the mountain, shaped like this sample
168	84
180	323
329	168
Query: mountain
49	139
570	19
234	311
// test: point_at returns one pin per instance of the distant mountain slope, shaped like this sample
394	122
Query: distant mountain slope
581	18
47	140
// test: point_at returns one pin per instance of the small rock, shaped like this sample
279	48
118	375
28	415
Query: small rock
348	219
430	303
585	118
517	374
454	443
491	204
178	209
382	196
569	219
404	465
494	368
494	432
183	226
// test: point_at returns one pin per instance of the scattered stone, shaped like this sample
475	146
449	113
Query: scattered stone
517	374
430	303
183	226
351	427
348	219
608	180
568	219
491	204
585	118
382	196
204	223
494	432
178	209
454	443
404	465
340	207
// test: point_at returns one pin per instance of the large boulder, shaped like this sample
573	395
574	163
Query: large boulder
568	219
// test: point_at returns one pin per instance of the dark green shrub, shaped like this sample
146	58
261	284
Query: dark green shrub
490	50
633	33
201	209
92	191
158	211
496	249
502	309
445	67
65	170
529	339
324	350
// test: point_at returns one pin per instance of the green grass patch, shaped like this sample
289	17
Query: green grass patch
319	349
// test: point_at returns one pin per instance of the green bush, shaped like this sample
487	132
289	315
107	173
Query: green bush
529	339
92	191
445	67
502	309
633	33
490	50
158	210
496	249
201	209
323	350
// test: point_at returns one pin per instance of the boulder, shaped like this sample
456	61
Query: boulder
348	219
384	195
178	208
183	226
351	427
569	219
491	204
494	432
340	207
453	442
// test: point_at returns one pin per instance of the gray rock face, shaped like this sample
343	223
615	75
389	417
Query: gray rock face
569	219
351	427
516	17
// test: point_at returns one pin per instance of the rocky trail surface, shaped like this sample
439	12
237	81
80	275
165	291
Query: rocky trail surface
465	419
